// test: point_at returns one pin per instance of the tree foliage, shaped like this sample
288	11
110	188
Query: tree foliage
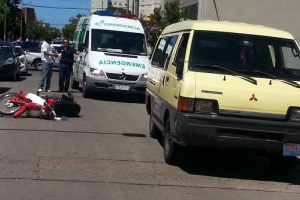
114	9
160	19
12	18
69	29
37	31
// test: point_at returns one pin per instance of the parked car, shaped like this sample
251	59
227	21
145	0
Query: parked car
9	61
58	48
23	60
33	54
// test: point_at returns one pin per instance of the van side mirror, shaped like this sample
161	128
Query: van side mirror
179	68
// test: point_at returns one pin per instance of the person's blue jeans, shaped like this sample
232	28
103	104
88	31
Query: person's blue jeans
46	75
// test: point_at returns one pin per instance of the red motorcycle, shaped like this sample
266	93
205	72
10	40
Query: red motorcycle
34	105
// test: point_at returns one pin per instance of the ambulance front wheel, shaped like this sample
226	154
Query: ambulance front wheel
86	93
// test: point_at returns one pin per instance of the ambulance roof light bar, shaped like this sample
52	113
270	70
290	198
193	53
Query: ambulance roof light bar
115	14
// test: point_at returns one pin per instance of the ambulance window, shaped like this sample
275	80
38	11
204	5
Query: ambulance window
81	35
158	53
86	42
182	49
76	35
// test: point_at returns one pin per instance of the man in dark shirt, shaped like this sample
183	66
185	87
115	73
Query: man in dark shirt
65	67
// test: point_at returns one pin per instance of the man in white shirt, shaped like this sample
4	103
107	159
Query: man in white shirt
47	64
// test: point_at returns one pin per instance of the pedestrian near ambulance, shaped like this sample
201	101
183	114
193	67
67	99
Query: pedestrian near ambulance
65	67
47	64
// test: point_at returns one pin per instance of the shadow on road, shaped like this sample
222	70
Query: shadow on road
134	135
121	98
234	164
4	90
4	79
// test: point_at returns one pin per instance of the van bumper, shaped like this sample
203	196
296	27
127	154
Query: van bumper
105	85
214	130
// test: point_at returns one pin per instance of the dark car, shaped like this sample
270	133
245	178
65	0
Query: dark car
9	61
31	46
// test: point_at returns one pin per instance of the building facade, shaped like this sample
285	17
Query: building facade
28	15
145	6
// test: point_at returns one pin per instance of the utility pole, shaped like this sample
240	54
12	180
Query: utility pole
4	35
127	11
136	10
133	6
21	30
102	5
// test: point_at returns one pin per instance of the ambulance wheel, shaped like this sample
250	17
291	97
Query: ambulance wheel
74	83
85	90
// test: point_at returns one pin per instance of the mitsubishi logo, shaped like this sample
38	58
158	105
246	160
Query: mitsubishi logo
123	76
253	98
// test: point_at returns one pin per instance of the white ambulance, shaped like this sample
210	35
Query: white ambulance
114	54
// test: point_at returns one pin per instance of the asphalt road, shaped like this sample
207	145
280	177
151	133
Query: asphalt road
106	153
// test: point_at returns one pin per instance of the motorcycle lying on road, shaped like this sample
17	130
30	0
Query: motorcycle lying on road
16	104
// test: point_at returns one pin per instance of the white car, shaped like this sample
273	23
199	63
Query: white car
33	54
23	60
54	48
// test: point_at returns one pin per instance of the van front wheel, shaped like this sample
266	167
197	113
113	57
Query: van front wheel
154	132
172	150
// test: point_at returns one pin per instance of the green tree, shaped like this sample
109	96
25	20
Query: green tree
35	30
69	29
12	18
171	14
53	32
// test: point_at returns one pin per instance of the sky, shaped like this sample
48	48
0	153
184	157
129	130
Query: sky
58	17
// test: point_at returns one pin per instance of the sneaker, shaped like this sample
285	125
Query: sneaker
48	90
40	90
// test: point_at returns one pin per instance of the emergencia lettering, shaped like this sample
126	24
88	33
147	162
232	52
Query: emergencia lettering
124	63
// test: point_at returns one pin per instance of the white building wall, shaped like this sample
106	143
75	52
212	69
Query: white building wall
280	14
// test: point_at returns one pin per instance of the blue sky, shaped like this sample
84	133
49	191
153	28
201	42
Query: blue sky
56	17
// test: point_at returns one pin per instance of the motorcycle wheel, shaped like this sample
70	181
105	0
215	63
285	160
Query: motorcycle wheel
7	108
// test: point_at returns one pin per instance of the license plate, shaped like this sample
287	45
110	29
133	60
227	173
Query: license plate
291	150
121	87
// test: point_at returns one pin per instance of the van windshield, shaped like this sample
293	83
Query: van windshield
257	56
118	42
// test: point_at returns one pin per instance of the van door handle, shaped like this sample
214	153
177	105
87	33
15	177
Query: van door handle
167	79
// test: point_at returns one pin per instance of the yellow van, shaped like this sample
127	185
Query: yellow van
224	84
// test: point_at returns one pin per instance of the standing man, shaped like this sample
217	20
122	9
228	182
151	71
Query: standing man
47	64
66	65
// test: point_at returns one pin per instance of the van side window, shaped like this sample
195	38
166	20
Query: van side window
163	52
158	53
182	49
168	52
